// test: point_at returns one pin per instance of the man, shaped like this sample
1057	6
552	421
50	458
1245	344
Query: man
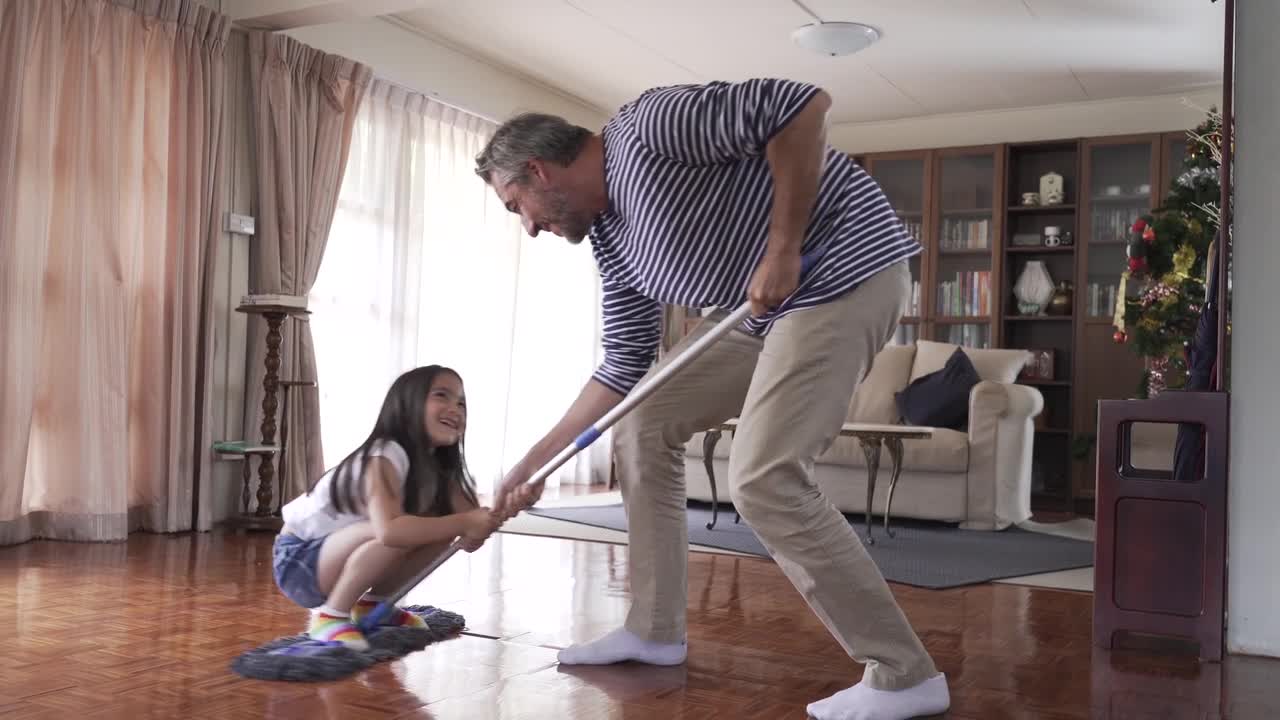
706	196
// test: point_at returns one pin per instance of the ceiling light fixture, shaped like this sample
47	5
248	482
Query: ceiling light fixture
833	38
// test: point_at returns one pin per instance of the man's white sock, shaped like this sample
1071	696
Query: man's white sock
863	702
620	646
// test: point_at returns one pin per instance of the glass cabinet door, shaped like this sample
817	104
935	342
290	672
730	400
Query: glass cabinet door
904	179
1121	189
965	236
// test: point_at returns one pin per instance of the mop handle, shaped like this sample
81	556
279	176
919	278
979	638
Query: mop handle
593	433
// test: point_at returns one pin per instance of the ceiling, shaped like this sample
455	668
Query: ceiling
934	56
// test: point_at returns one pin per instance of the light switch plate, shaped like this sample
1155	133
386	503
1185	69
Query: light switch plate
242	224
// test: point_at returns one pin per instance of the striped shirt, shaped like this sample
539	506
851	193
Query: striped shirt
690	193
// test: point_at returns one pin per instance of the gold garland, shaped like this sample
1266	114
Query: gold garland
1117	317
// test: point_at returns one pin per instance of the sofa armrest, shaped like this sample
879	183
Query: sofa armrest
1001	437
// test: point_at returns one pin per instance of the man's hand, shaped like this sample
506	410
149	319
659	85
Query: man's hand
516	493
774	279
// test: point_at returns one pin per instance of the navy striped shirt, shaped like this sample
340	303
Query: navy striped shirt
690	195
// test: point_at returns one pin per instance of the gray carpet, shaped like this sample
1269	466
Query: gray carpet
923	554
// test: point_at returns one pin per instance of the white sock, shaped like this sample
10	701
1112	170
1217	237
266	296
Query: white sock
620	646
862	702
331	612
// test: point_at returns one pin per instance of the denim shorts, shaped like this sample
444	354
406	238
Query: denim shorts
294	562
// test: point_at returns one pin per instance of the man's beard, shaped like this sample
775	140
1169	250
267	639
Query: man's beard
573	226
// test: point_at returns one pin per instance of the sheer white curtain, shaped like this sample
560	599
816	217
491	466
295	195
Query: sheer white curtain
425	266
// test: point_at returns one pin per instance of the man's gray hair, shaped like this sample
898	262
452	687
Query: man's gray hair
526	137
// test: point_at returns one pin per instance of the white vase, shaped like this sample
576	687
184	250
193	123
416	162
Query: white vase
1034	288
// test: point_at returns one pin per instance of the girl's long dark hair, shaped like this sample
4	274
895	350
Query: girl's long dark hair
401	420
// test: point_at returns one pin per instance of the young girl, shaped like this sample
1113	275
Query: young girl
391	506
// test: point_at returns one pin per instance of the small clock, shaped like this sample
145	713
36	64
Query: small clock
1051	189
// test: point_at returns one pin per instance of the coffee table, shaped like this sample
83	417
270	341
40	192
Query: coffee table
870	436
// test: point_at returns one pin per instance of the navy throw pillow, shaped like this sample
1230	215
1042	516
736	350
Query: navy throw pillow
940	399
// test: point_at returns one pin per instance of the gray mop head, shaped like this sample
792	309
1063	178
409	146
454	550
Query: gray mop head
298	658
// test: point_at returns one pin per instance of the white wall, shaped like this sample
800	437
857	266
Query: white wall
1051	122
451	76
1253	625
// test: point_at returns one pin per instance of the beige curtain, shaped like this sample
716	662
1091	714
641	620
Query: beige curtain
110	132
420	256
304	105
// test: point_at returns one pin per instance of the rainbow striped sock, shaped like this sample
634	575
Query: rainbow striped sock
330	626
398	617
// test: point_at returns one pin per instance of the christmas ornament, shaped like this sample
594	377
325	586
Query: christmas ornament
1119	337
1183	260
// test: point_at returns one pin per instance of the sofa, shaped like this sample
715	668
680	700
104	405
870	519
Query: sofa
979	477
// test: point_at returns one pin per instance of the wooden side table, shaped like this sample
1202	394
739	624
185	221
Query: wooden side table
274	315
870	436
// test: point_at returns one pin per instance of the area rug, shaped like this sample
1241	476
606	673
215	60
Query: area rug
922	554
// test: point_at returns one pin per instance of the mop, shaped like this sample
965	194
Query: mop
300	658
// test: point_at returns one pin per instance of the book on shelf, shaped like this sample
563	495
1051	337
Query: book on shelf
965	234
972	336
968	295
913	228
1111	224
1102	299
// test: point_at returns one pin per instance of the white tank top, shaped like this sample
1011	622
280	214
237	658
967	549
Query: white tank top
311	515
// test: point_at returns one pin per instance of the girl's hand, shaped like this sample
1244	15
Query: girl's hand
479	524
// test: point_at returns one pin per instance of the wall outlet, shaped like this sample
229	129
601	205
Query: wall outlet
241	224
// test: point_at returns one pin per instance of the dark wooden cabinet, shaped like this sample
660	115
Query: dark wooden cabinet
966	206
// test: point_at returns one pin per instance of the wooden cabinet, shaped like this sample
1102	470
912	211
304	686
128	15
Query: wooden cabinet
967	224
1121	183
951	200
906	179
966	206
1030	224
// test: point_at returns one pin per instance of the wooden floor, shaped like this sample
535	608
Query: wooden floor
146	629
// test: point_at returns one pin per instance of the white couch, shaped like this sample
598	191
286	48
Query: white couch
980	479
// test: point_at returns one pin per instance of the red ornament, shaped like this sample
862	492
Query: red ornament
1120	337
1140	225
1136	264
1148	235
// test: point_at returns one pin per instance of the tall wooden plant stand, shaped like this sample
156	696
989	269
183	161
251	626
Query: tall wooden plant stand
264	515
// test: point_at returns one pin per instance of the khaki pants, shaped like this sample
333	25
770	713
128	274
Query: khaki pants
791	391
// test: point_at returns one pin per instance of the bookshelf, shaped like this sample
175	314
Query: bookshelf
966	207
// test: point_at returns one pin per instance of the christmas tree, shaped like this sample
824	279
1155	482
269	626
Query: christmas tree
1167	254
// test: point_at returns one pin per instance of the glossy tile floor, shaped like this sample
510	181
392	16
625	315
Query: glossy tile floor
146	629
